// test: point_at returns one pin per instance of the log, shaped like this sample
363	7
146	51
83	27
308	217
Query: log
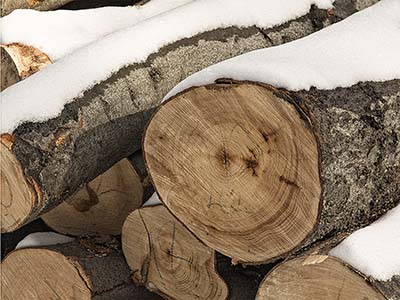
318	275
20	61
90	268
7	6
101	207
258	173
168	259
105	123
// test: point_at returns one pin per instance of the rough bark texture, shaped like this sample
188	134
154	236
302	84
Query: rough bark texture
105	267
390	288
7	6
106	123
358	129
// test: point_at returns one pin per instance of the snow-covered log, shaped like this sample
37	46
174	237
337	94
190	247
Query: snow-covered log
7	6
366	265
102	206
55	34
63	127
257	171
87	268
166	258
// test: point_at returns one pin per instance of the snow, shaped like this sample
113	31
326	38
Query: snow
38	239
58	33
43	95
363	47
153	201
375	249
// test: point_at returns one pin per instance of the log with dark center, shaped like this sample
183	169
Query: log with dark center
165	257
84	269
53	159
258	173
102	206
7	6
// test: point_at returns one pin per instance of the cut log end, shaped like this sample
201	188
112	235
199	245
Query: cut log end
46	274
317	277
166	258
18	195
238	165
102	206
9	71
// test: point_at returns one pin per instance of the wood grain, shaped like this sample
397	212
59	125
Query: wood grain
102	206
317	277
239	167
165	257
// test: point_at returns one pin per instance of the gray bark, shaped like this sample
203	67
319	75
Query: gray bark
106	123
358	130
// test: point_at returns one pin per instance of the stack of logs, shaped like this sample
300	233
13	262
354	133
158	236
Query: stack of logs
249	207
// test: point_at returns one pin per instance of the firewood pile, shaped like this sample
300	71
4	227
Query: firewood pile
200	149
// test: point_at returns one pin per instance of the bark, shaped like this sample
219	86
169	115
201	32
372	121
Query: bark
106	123
138	163
339	172
277	283
7	6
101	267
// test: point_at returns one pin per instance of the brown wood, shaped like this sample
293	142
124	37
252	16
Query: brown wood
84	269
102	206
9	71
165	257
317	277
248	168
229	163
8	6
64	153
21	61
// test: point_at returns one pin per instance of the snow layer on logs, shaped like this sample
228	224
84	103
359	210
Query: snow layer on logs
61	32
363	47
375	249
43	95
38	239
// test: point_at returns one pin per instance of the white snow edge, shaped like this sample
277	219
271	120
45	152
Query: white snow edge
363	47
154	200
61	32
43	95
39	239
375	249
